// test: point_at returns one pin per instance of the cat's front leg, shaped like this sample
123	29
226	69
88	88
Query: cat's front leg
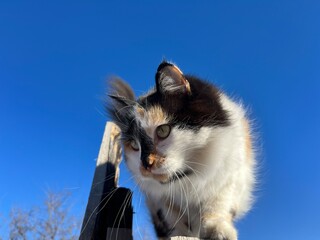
217	226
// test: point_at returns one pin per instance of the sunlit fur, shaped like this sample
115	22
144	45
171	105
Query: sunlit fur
218	189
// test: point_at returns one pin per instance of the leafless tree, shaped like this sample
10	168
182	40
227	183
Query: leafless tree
21	223
56	222
52	221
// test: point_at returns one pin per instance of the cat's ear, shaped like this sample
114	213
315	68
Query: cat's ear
120	91
170	80
122	98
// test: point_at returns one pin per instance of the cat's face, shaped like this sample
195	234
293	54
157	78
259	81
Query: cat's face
150	151
163	130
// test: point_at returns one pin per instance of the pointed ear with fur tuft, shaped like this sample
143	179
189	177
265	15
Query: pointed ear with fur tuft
118	87
170	80
122	99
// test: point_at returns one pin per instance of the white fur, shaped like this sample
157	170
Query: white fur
223	176
169	84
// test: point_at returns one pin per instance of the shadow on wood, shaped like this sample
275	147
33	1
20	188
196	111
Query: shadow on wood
109	210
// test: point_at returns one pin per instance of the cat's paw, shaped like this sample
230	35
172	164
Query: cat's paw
218	230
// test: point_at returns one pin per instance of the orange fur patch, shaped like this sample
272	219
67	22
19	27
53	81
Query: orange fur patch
152	117
140	111
155	162
155	115
152	158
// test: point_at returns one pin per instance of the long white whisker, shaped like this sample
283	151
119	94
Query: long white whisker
185	209
123	207
170	198
187	201
111	192
199	202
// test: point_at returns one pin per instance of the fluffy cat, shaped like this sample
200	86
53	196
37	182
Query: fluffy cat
189	149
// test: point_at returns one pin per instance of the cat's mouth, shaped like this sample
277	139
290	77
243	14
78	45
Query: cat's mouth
179	175
165	178
161	177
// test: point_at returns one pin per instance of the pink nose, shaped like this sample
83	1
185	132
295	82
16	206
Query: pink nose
152	159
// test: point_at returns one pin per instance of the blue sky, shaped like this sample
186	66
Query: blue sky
55	57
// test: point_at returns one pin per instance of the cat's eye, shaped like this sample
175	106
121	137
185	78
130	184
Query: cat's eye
134	145
163	131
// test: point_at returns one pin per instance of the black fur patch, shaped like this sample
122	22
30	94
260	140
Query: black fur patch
135	132
161	226
146	147
201	108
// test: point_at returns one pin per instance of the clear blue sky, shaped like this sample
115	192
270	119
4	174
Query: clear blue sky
55	56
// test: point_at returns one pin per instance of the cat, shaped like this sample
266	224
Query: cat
189	148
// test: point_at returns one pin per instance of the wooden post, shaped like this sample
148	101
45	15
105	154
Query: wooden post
109	210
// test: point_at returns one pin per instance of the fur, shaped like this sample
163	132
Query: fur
199	178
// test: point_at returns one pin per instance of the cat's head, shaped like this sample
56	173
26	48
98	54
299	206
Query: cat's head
164	130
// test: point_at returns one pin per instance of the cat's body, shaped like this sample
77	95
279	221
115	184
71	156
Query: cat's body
189	148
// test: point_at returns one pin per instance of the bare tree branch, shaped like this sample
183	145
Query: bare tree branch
52	221
21	224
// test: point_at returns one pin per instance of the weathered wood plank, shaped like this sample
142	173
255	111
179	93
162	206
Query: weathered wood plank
105	212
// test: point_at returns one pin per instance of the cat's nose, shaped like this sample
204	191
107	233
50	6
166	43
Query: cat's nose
148	161
151	160
147	165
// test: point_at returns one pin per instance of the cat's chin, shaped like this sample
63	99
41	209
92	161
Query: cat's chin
160	177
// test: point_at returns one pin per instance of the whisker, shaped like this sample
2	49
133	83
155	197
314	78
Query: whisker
185	209
96	209
124	205
199	202
188	209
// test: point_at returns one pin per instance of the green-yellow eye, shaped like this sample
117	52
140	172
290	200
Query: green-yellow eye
163	131
134	145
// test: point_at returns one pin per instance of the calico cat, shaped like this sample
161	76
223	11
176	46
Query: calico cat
189	148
